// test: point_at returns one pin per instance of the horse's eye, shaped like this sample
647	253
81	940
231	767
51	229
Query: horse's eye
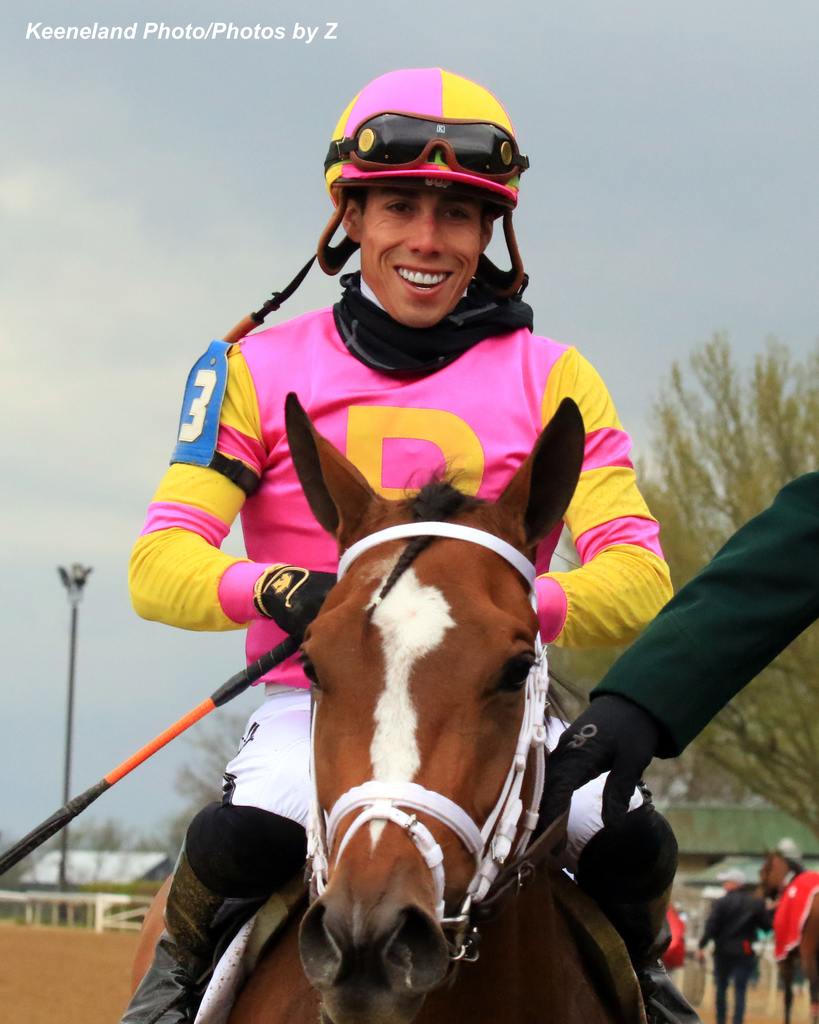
514	672
309	670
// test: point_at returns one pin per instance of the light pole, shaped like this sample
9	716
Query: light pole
73	580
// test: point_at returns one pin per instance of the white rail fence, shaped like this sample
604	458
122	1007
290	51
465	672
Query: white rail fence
102	911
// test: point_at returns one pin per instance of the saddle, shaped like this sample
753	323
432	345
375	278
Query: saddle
246	929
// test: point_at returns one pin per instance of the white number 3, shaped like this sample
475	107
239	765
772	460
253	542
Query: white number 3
206	380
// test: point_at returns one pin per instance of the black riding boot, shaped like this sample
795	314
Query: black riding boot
628	869
231	853
171	989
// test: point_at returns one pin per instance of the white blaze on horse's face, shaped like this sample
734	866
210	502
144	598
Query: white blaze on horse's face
412	620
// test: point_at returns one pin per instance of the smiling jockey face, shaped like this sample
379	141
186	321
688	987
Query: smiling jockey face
419	249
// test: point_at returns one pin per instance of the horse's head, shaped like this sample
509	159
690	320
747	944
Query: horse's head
420	662
775	870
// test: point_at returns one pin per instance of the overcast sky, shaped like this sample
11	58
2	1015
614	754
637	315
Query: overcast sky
152	192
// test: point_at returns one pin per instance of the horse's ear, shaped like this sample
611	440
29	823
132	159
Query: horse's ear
540	491
335	490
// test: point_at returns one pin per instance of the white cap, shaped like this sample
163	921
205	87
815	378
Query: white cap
787	848
733	875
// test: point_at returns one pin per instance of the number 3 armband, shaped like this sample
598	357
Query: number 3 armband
201	406
199	421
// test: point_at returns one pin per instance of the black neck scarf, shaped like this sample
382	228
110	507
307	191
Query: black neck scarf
383	344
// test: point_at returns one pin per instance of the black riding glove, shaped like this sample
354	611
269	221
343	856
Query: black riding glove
611	735
292	596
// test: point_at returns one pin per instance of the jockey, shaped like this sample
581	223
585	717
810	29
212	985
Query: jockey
427	360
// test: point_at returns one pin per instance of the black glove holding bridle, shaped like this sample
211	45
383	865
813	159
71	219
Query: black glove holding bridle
612	735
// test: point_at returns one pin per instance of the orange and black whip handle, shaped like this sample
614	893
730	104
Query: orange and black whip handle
254	320
227	691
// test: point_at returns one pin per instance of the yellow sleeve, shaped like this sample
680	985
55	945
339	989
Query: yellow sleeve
176	568
240	408
620	589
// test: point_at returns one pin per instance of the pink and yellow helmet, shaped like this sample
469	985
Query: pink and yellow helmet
426	125
447	102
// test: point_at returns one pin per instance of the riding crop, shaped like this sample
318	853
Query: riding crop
226	692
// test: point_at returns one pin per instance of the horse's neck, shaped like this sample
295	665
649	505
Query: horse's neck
529	969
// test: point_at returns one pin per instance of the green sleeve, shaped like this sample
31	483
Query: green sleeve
723	627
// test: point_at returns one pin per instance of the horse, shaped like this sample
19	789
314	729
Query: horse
429	686
799	946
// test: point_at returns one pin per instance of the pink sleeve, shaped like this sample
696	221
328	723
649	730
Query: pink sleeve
166	515
236	590
552	607
635	530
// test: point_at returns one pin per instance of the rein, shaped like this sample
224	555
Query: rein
491	845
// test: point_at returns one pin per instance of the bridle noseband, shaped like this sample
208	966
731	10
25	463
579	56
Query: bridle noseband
491	845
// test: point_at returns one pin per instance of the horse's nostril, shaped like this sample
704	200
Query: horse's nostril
403	952
321	956
415	957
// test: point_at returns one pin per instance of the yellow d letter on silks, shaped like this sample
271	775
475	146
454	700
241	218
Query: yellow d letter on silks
369	426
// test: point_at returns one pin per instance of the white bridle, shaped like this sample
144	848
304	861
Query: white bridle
490	845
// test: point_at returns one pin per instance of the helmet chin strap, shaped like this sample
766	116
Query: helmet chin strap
331	258
504	283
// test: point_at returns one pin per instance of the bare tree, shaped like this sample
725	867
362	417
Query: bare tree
210	746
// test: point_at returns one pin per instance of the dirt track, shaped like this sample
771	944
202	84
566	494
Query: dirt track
62	976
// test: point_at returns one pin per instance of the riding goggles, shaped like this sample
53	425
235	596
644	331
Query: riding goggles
400	142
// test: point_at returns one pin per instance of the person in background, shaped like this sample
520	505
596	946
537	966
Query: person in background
732	926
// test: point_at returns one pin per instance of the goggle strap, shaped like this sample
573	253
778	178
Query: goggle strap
338	151
504	283
331	258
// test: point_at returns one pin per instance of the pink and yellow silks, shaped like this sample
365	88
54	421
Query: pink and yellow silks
478	417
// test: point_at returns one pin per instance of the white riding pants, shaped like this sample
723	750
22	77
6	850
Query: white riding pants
271	770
